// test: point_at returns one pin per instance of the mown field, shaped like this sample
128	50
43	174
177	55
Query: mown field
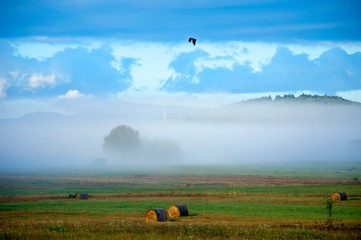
240	202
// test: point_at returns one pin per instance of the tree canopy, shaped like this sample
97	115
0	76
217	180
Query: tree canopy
122	141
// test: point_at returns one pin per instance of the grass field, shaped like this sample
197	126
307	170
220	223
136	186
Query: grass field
240	202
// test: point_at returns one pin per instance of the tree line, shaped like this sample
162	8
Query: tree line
304	98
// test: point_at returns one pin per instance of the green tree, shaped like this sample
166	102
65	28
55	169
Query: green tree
122	141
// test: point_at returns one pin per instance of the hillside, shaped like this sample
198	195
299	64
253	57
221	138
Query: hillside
303	98
287	109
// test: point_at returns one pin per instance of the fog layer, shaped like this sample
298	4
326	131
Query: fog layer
236	134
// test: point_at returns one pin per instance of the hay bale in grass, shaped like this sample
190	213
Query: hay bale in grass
156	215
339	196
82	195
178	210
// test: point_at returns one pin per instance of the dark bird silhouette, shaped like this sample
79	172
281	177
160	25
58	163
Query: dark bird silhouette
193	40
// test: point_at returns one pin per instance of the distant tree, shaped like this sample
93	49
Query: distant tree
260	99
289	96
122	141
278	98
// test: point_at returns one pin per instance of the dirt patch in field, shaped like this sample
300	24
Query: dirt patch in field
235	180
191	179
174	186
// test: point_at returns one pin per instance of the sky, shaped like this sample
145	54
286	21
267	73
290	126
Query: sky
138	51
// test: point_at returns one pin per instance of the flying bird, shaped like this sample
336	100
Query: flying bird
193	40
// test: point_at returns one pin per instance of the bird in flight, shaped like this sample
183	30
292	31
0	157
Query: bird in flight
193	40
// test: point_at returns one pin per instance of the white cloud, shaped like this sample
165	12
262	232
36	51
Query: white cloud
39	80
235	52
43	48
315	50
153	59
152	62
2	87
39	51
18	76
71	94
261	53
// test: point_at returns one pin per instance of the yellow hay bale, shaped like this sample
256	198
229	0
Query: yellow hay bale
156	215
178	210
339	196
173	211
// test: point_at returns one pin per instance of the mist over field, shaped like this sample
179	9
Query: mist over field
73	71
240	133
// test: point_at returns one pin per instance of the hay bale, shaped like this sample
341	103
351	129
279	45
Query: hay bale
178	210
156	215
82	195
339	196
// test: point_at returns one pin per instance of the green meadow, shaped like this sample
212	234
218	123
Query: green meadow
239	202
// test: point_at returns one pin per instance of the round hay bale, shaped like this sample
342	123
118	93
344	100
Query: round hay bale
156	215
82	195
339	196
178	210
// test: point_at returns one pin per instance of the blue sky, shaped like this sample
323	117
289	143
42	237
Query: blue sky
137	50
164	20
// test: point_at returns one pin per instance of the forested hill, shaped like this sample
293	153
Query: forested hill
303	98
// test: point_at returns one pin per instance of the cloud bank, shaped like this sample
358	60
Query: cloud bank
121	68
332	71
84	70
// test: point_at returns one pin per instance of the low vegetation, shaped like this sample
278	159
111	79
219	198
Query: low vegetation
245	204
